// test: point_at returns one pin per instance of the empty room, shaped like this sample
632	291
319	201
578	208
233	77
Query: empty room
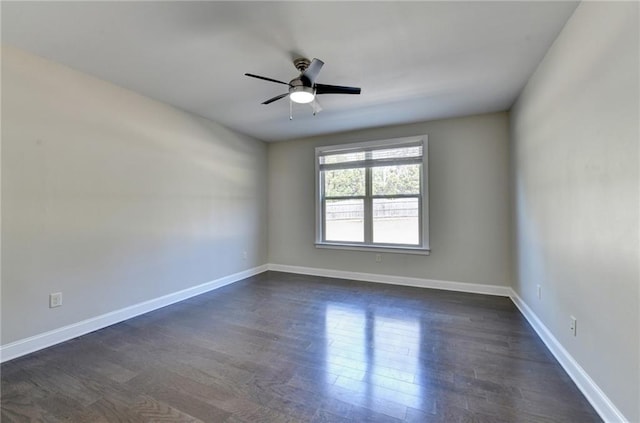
239	212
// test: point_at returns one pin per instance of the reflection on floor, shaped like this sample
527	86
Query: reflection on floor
280	348
372	357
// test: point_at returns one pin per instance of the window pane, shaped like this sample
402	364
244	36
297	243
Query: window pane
396	180
395	221
344	182
344	220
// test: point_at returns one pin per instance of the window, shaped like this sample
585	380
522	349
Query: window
373	195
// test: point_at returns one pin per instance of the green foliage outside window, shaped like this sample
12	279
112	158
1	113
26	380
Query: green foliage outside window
396	180
386	180
344	182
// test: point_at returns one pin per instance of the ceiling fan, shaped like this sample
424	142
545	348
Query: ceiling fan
303	88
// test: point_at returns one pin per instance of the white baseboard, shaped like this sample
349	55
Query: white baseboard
47	339
598	399
503	291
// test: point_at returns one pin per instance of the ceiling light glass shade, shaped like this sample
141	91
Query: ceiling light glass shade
301	94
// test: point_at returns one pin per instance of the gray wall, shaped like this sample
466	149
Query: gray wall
114	199
469	204
575	159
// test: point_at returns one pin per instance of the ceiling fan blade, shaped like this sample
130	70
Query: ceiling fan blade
266	79
311	73
278	97
336	89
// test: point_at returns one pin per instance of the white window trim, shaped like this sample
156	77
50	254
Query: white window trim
424	247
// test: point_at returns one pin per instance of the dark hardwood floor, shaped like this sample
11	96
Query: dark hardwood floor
280	347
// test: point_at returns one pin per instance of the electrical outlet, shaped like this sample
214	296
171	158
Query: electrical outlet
244	255
378	258
573	326
539	291
55	299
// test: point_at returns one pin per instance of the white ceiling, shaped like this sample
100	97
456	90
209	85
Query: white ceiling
415	61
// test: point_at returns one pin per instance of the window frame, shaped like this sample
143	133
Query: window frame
368	198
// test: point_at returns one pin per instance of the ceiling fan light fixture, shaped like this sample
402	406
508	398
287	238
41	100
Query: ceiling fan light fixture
301	94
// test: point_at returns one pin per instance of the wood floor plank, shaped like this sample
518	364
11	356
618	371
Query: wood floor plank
281	347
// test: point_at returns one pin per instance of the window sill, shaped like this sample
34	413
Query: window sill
374	248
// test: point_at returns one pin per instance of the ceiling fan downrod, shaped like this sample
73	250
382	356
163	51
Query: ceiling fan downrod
301	63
